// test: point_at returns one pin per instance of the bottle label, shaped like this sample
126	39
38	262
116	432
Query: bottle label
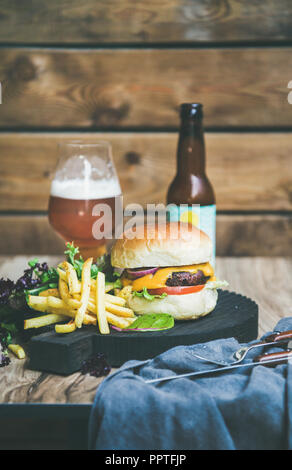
203	217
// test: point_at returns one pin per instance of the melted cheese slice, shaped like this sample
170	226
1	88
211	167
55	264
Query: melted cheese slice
158	279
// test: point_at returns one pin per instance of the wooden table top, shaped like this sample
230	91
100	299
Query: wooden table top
265	280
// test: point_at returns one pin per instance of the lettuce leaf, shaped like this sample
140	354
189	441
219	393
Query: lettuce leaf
144	293
216	284
102	264
150	322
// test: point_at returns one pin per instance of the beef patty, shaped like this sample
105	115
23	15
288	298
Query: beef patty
185	278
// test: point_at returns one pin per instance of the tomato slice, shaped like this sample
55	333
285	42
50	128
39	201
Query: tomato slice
177	290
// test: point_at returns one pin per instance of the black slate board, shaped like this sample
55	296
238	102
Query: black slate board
234	316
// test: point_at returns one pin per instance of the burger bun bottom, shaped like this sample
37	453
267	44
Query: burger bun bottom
181	307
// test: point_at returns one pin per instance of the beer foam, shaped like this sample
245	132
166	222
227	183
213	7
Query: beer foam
78	188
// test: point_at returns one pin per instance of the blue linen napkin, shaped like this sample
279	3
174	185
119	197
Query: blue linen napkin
248	408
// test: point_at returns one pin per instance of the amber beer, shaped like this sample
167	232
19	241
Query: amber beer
191	194
71	213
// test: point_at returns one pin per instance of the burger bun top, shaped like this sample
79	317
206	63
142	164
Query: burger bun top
170	244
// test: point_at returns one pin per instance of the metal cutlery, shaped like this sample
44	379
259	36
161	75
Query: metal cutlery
274	339
272	359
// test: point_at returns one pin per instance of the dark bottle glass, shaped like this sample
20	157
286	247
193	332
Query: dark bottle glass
191	186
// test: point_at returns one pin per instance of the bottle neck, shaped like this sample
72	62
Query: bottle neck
191	148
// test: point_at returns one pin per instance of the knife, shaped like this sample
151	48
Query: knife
278	336
267	359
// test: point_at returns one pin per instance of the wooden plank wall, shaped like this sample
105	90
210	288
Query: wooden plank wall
117	71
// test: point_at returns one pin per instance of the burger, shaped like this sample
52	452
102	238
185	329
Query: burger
168	270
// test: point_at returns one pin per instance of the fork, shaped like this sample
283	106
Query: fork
240	354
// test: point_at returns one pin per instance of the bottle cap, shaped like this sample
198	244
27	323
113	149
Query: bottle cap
191	111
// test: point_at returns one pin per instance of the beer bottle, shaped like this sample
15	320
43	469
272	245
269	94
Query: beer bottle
191	194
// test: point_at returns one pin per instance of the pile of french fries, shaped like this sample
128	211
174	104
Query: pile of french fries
81	302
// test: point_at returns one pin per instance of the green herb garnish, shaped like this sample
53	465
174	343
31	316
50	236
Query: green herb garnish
102	264
153	321
144	293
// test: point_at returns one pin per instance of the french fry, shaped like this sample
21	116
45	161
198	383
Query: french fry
85	291
62	308
56	302
66	311
44	320
74	303
113	299
65	296
89	319
51	305
62	274
120	311
108	285
118	321
91	307
86	302
46	293
109	298
63	290
66	328
61	304
38	303
100	304
125	292
112	304
72	279
17	350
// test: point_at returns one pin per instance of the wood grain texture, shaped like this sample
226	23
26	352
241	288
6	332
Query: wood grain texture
249	171
241	235
252	277
247	276
116	21
143	88
20	384
254	235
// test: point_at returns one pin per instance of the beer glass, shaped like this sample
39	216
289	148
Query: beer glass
84	189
